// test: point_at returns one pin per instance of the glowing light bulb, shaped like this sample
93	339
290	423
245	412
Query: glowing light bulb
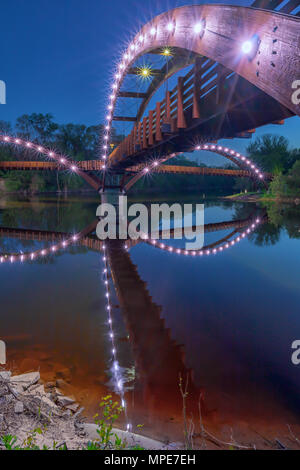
198	28
153	31
247	47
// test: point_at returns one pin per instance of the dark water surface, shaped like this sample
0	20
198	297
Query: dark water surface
225	320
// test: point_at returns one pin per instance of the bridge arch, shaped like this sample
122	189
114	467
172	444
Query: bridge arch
60	241
221	33
237	158
43	152
213	249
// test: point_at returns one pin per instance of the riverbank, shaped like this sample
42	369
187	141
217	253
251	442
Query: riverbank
37	416
261	197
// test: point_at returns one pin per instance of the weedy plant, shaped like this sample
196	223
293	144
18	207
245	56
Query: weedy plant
108	439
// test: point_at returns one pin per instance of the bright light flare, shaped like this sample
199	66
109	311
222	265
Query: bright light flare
170	27
247	47
198	28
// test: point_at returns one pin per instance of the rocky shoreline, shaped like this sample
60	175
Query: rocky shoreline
31	410
38	414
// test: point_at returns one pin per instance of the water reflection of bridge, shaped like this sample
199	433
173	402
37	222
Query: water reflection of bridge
156	379
86	237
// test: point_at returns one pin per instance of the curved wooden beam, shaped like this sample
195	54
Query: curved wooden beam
65	163
272	66
247	167
276	64
181	59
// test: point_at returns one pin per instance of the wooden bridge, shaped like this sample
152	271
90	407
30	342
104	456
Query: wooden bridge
228	92
242	71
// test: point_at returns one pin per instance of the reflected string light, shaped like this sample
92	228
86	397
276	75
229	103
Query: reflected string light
35	255
116	371
204	251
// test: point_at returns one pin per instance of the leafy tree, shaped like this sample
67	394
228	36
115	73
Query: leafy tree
293	178
278	185
271	153
37	127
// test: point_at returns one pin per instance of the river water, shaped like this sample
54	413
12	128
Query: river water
224	322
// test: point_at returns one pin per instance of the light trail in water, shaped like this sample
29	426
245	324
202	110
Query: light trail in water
116	370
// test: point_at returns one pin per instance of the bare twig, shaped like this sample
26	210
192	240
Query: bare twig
214	439
184	393
295	439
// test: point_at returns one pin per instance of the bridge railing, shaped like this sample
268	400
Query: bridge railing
205	81
171	113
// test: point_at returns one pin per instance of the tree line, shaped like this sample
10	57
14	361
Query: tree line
78	141
271	153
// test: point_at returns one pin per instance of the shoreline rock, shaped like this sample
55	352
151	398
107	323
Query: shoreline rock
28	404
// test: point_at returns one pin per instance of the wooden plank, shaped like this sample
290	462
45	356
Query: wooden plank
150	139
181	122
290	6
145	144
158	134
132	94
266	4
124	118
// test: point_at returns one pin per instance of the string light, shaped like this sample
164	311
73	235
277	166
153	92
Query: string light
115	368
39	253
252	226
232	153
41	151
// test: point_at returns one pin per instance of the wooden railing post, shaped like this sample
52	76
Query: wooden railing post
134	139
150	137
167	117
196	88
181	122
140	141
158	135
131	142
145	145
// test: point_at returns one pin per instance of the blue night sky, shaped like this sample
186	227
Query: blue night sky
58	56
